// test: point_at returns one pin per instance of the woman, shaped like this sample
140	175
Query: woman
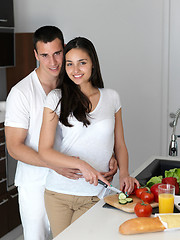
84	127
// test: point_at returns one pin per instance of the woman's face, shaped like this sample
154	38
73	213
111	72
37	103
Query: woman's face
78	66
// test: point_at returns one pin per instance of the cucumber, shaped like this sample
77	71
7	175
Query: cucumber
122	196
129	200
122	201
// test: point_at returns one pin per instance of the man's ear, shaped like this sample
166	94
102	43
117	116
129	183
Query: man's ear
36	55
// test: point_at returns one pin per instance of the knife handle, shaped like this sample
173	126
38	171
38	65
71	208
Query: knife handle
102	183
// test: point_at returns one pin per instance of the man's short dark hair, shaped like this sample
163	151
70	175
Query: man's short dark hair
47	34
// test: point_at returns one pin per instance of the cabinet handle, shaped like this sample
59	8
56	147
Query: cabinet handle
1	129
3	180
1	144
3	201
3	158
3	20
15	195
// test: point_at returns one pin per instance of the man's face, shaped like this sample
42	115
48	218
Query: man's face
50	56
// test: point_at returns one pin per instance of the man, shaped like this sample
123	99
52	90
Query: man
24	110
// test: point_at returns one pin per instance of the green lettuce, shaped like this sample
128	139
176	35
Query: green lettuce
175	172
154	180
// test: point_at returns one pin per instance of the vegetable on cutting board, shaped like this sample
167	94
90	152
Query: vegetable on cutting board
140	190
123	199
135	187
147	196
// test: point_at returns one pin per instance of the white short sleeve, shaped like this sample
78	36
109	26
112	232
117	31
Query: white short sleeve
117	101
17	110
52	100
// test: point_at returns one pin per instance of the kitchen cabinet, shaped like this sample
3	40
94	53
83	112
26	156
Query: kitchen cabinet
3	179
6	13
25	59
3	215
13	209
9	209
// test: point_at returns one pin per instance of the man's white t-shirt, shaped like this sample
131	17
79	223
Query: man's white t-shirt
94	143
24	109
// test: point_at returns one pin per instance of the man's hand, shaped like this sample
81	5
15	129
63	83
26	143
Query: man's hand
112	169
69	173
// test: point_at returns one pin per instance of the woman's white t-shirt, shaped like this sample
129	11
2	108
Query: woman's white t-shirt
93	144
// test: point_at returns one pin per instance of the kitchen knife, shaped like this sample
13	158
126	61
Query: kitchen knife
111	187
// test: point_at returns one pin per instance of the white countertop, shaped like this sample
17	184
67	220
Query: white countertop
103	223
2	116
2	111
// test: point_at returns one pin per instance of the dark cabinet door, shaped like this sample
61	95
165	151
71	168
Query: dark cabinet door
6	13
4	201
3	179
9	208
25	60
13	209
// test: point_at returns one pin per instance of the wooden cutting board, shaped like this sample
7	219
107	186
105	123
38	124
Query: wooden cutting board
129	207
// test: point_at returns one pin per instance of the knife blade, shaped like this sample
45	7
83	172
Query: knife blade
111	187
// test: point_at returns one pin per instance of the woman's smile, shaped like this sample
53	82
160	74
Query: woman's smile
78	66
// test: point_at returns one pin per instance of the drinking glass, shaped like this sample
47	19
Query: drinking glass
166	194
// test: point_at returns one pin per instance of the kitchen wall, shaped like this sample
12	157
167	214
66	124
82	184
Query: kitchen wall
174	63
131	38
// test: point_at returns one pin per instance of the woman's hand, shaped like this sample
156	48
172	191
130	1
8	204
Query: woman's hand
112	169
90	174
127	184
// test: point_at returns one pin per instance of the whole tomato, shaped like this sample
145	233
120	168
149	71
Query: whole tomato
154	190
147	196
143	209
138	191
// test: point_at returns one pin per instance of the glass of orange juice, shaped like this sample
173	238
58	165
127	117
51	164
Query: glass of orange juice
166	198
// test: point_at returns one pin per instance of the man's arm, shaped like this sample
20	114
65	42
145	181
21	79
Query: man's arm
15	142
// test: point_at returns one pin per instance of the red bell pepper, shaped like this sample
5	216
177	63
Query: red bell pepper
172	181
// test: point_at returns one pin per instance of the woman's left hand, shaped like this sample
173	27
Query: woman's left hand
113	166
127	184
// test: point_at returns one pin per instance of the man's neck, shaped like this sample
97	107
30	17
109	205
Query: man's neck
48	82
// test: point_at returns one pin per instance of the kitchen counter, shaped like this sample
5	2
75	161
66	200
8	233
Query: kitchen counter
103	223
2	116
2	111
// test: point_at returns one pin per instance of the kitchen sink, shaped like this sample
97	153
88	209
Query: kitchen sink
156	168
